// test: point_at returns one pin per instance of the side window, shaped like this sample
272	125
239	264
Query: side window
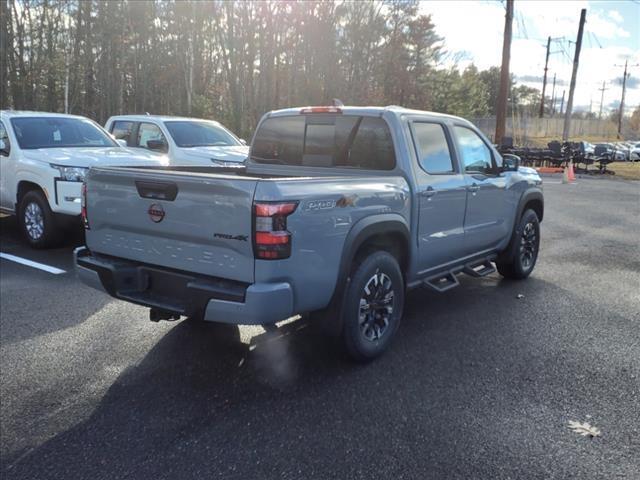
122	131
476	156
432	148
150	136
5	138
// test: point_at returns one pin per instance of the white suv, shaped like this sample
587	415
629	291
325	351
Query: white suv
186	141
43	161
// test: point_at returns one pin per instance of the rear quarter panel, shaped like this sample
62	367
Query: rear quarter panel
328	209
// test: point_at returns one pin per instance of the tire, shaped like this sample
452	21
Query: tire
36	220
378	278
519	258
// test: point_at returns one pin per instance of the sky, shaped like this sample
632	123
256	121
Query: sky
473	32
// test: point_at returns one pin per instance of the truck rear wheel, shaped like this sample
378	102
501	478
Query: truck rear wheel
372	306
519	258
37	221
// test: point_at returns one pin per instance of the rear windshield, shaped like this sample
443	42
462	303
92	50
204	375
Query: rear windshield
323	140
57	132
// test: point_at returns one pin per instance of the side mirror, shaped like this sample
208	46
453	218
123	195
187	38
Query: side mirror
510	162
4	148
243	141
122	142
156	145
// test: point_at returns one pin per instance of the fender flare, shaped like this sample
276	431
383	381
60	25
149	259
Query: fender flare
532	193
360	232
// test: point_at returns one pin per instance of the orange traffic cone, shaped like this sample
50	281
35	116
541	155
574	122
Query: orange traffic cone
572	175
567	175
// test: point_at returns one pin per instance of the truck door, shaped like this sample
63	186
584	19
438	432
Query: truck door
441	191
5	174
488	217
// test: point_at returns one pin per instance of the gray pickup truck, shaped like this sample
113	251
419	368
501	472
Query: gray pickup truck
337	212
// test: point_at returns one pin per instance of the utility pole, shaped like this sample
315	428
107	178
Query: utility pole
562	102
553	96
544	80
624	89
503	92
574	74
602	99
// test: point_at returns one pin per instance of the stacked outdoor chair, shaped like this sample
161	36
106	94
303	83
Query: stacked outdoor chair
603	157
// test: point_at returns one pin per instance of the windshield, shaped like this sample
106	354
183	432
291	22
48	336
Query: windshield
200	134
57	132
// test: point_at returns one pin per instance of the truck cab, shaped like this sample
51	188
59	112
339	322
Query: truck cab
185	141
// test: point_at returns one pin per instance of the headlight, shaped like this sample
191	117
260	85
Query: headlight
222	163
71	174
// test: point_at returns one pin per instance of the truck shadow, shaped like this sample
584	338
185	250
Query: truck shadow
31	287
204	397
10	235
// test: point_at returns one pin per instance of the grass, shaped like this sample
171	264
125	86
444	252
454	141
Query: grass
626	170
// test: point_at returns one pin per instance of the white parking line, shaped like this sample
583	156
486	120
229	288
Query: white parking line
30	263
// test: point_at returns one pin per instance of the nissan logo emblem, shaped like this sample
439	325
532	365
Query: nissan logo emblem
156	213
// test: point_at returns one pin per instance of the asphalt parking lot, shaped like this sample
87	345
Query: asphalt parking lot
482	381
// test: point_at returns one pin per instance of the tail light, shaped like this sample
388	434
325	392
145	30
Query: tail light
83	207
271	239
321	110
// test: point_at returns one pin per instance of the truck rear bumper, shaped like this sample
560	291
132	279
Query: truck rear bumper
182	293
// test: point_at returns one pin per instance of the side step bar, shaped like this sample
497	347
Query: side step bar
443	282
447	280
479	269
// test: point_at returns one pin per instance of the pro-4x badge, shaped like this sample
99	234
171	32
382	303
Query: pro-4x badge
226	236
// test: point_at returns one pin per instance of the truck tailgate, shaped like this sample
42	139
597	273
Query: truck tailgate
186	221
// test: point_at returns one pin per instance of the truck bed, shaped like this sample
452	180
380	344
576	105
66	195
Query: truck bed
201	220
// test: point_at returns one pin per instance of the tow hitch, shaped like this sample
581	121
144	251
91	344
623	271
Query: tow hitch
156	314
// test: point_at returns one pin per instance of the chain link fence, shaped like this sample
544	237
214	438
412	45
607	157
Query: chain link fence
526	130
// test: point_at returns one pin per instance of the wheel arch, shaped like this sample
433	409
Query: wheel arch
387	232
531	199
25	186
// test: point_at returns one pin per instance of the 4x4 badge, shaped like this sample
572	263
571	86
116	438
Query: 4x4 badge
156	212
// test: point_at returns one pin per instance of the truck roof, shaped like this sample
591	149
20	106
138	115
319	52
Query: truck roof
161	118
369	110
28	113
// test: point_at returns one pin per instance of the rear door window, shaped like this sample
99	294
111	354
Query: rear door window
432	148
122	131
324	140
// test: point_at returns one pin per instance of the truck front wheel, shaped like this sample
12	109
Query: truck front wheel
372	306
37	221
519	258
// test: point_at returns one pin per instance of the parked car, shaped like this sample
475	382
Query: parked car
186	141
338	211
634	154
44	158
610	150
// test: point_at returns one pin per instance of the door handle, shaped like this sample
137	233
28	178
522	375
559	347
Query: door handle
473	188
428	193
